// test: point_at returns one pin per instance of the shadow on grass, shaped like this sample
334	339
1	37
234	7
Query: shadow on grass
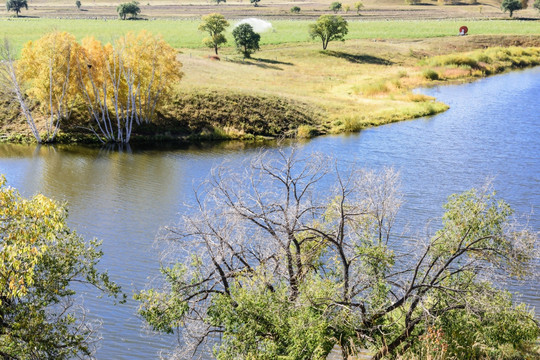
270	61
255	62
524	19
358	59
22	17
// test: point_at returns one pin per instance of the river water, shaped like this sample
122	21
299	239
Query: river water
492	131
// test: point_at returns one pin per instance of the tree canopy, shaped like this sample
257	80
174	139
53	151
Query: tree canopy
40	260
335	6
511	6
329	28
16	5
294	255
214	24
130	8
358	6
246	40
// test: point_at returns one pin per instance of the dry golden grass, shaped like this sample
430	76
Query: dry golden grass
356	84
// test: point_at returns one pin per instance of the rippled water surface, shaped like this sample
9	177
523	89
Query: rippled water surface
492	131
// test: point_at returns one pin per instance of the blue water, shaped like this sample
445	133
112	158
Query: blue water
492	131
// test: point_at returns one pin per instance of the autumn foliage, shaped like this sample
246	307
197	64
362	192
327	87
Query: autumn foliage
47	67
121	83
41	260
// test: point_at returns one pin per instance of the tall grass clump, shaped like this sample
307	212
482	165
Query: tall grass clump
430	74
460	60
373	88
492	60
306	132
352	124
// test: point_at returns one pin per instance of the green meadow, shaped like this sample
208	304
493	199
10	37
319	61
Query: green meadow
184	33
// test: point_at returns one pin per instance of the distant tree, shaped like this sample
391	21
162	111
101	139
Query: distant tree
524	4
328	28
16	5
131	8
295	9
347	8
40	261
247	40
255	2
214	24
78	3
358	6
511	6
219	1
537	5
335	6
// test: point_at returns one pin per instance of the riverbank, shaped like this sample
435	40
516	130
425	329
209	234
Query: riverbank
298	90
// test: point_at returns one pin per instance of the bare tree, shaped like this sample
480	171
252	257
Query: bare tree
10	84
285	220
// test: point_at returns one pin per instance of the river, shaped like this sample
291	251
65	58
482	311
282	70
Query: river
492	131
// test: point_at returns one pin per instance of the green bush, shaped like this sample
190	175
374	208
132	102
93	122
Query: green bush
131	8
295	9
430	74
335	6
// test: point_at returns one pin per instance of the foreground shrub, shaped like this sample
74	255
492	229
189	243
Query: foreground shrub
41	260
289	256
430	74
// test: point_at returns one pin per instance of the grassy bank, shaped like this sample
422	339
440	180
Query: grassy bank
360	83
299	90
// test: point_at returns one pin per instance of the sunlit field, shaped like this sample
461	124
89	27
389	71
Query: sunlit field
184	33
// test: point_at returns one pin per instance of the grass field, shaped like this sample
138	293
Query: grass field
364	81
184	33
